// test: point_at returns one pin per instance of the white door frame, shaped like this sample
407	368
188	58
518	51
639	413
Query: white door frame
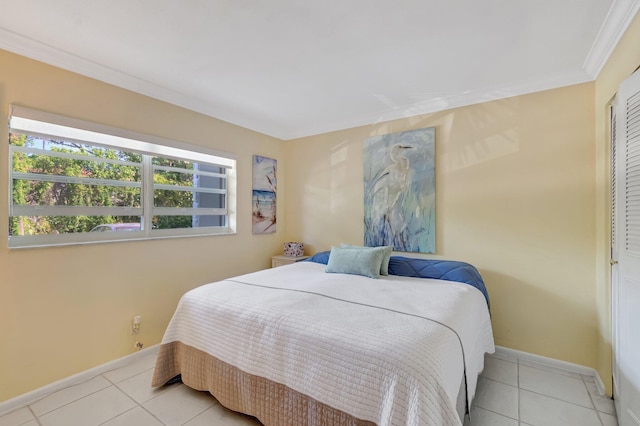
625	275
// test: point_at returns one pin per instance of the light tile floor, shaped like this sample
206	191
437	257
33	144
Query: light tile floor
511	392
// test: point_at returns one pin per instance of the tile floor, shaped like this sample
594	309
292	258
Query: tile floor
511	392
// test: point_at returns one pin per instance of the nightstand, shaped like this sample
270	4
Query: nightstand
281	260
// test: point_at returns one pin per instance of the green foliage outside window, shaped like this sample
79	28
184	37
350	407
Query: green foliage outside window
35	192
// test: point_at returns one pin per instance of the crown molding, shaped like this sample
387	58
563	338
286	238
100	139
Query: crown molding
614	26
618	19
443	103
42	52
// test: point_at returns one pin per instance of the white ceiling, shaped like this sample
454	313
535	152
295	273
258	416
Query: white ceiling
292	68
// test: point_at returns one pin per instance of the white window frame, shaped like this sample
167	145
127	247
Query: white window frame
36	123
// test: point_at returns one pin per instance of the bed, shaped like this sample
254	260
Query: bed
296	345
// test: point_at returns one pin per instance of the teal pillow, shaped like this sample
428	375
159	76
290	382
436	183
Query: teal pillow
384	267
355	261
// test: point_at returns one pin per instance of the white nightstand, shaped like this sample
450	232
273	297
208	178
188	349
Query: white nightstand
281	260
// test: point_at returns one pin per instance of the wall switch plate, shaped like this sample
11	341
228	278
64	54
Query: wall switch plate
135	326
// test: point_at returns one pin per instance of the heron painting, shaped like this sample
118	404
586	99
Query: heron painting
399	191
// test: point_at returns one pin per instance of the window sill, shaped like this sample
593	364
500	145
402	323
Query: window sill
63	241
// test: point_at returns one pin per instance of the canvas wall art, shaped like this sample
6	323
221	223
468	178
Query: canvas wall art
399	191
264	194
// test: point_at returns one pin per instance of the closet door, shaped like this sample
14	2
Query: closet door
626	273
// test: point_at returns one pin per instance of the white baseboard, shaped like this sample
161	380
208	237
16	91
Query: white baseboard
554	363
37	394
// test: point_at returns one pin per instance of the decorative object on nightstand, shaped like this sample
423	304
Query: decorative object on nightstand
293	249
293	252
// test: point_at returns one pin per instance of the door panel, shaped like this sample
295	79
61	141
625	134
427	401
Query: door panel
626	246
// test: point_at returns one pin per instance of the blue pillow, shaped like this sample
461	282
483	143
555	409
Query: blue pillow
386	250
355	261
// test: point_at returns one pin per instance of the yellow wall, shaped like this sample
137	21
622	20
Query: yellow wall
515	196
522	193
621	64
64	310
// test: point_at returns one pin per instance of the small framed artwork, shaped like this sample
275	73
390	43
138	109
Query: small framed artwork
264	195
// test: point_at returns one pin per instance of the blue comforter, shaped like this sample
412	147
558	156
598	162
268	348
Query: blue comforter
449	270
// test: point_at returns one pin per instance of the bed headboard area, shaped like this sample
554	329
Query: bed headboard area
449	270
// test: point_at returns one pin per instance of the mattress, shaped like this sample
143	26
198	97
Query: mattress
295	345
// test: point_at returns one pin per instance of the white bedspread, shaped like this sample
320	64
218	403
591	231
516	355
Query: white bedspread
360	345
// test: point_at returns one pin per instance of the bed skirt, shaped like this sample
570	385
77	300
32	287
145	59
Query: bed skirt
272	403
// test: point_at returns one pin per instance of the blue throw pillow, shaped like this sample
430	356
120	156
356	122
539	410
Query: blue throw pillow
386	250
355	261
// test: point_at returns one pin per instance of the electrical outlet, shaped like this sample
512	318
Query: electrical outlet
138	346
135	325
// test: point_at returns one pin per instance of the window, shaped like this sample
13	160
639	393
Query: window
73	181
